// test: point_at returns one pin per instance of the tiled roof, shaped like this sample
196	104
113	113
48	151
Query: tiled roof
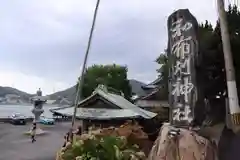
156	90
123	103
126	108
153	84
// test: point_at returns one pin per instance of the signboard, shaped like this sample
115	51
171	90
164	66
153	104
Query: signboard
182	51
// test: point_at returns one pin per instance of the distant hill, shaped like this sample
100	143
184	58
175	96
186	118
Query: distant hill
70	93
5	91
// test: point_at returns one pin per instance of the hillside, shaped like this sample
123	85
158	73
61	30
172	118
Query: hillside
70	93
13	91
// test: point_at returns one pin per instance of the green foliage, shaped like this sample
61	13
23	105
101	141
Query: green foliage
163	71
212	55
112	76
101	148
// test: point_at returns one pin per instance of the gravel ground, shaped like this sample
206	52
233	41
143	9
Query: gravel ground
14	145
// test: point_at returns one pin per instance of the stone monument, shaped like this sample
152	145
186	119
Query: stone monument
184	90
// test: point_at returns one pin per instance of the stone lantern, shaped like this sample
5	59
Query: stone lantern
37	110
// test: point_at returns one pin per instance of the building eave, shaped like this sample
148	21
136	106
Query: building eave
153	84
119	101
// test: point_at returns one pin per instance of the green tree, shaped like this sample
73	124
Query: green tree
163	71
113	76
212	62
212	67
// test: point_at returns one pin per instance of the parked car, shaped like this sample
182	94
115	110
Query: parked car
18	118
47	121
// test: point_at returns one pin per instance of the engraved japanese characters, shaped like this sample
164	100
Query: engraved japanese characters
182	49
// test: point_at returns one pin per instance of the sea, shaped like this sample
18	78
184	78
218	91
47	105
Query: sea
7	110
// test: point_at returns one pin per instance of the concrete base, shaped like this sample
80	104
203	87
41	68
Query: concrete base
39	131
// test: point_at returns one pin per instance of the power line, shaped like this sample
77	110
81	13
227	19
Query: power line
81	81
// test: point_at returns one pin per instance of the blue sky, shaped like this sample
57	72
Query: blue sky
42	42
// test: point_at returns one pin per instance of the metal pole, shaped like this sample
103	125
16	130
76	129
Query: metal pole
230	73
81	81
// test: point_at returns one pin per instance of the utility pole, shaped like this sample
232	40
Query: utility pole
230	73
81	79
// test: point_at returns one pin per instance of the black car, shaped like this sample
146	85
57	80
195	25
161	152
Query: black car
18	118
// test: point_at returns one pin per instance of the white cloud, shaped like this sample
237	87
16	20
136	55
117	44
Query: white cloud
30	83
43	41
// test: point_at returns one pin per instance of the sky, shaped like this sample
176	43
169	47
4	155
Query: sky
42	42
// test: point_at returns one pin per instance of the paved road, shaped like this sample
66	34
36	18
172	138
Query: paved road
14	145
229	146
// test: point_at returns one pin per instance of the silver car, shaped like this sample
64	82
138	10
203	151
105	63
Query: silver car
18	118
